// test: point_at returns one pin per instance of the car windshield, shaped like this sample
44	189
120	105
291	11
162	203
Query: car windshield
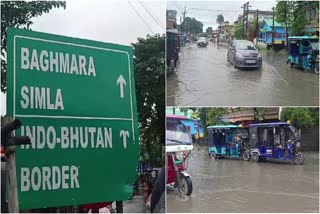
176	133
244	46
314	45
202	39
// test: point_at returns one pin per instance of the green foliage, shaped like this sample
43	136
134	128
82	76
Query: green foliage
150	88
259	113
238	34
220	19
209	31
292	14
299	20
18	14
214	115
301	117
192	25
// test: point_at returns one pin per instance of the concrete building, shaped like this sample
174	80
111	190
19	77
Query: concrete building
171	19
311	9
246	116
265	32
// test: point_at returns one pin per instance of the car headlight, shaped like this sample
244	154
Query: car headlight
239	55
179	155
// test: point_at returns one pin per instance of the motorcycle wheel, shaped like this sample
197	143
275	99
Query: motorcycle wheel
298	159
185	188
245	156
316	68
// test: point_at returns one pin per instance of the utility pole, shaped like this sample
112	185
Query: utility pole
244	11
245	16
257	24
184	16
272	26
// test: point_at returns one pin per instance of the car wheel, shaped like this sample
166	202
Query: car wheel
234	62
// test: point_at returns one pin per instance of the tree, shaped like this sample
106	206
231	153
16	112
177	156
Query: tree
149	62
301	117
215	114
209	31
18	14
238	31
192	25
220	20
300	20
284	11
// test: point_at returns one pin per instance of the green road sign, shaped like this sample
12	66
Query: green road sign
76	101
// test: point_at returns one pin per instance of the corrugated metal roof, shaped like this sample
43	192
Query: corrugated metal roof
269	22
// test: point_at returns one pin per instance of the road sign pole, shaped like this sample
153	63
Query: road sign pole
13	206
119	207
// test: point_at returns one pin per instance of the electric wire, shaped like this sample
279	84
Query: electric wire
154	18
140	17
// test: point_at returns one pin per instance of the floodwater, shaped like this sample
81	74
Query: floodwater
227	185
204	77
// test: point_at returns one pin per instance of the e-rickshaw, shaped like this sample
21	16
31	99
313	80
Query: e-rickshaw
178	148
278	140
304	52
228	141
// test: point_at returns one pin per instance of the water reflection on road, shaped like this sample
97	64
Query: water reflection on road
205	78
240	186
227	185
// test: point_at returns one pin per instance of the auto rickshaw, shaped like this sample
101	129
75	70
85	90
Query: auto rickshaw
278	140
304	52
228	141
178	148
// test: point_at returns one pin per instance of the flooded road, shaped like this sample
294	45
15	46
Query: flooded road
204	77
227	185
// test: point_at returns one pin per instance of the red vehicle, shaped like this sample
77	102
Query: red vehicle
178	149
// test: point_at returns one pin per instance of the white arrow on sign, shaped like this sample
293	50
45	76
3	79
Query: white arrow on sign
122	82
124	134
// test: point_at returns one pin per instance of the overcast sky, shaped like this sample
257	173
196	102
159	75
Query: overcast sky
112	21
229	9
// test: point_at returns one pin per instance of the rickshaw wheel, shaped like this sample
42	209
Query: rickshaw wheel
245	156
213	155
290	64
185	187
255	157
298	159
316	68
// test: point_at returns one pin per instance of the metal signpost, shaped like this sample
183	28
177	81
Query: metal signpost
76	101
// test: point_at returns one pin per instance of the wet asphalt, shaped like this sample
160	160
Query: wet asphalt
204	77
233	185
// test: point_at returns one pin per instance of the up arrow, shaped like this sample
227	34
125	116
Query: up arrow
122	82
124	134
